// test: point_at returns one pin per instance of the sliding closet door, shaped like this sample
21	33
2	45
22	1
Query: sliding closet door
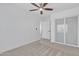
59	30
71	30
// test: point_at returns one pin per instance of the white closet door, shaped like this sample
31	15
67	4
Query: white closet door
71	31
45	30
59	30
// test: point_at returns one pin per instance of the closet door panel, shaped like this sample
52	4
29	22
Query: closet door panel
72	30
59	30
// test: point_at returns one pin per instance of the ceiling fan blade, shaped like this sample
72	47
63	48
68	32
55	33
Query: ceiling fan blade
35	5
45	4
33	10
41	12
40	5
50	9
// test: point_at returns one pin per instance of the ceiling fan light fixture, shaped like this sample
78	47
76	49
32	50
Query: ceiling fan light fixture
40	9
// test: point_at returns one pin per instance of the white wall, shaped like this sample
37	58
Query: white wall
17	28
63	14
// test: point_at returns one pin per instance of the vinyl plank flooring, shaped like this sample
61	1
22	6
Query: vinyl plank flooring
43	48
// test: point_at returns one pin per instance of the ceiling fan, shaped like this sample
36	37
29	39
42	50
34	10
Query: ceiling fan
41	7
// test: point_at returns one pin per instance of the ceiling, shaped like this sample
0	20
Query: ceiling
56	6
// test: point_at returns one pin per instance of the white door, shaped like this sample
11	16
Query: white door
46	32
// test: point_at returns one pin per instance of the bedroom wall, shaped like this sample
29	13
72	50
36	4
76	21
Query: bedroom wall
63	14
17	28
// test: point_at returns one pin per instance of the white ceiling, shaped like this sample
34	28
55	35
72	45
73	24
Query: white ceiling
56	6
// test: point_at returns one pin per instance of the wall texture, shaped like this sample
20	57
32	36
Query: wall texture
17	28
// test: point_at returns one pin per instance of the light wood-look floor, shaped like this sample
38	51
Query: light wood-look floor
43	48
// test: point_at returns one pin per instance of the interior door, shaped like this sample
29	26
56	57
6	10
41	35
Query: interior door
46	33
72	30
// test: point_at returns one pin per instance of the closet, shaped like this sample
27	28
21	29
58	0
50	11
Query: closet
66	31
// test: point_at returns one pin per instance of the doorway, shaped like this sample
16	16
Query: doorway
45	30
